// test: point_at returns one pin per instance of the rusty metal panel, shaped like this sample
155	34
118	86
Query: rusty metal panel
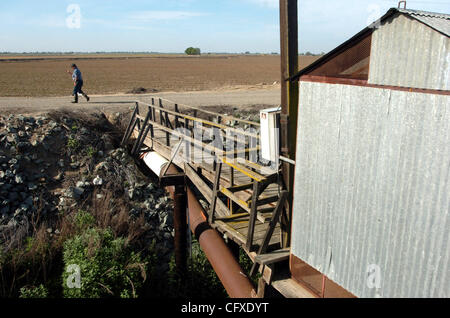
409	53
371	197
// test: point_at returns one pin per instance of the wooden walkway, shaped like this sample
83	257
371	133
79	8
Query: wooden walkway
246	198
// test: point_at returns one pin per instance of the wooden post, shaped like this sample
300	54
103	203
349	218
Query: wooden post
137	113
253	214
177	118
289	99
130	127
150	110
261	288
216	186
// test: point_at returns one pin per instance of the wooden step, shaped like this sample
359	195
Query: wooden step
235	199
263	217
263	200
241	187
273	257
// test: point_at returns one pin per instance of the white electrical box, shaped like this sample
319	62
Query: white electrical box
270	134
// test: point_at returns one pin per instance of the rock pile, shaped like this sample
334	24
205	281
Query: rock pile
55	163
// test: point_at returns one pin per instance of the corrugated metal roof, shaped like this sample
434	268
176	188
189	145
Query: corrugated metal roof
438	21
408	53
372	189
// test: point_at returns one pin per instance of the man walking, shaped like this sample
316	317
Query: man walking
78	83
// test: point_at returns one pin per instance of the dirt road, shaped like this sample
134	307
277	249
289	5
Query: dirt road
237	97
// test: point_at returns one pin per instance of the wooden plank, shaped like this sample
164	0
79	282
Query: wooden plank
235	199
265	200
252	220
241	187
254	165
291	289
266	271
273	257
261	288
264	217
259	234
223	227
232	217
214	198
244	170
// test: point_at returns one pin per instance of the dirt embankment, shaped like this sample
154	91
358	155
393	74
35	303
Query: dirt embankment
55	165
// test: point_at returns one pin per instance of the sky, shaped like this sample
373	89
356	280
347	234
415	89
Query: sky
171	26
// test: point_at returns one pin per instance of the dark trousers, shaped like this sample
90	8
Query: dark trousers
77	89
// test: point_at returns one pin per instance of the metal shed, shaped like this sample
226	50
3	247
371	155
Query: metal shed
371	197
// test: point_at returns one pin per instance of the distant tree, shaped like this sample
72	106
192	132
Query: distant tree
193	51
247	52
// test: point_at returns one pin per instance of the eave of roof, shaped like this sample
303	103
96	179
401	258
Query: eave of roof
422	16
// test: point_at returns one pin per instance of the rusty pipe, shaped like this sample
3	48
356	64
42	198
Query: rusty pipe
228	270
230	273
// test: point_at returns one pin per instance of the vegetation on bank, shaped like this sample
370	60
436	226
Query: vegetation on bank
111	265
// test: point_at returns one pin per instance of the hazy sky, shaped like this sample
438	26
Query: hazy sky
173	25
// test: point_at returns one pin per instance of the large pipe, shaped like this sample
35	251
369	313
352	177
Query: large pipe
180	225
227	268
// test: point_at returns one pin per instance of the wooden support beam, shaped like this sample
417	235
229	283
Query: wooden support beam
130	127
216	186
273	257
264	200
272	224
241	187
175	153
252	220
261	293
142	130
289	98
180	226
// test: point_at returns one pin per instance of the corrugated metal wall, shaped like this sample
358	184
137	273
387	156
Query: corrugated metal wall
372	188
407	53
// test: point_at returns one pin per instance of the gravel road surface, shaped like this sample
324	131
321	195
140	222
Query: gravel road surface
269	97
